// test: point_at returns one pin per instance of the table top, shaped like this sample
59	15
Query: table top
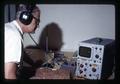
48	73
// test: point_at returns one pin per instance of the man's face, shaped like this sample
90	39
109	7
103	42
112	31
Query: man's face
36	17
35	22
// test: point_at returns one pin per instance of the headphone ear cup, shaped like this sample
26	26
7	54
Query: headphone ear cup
26	17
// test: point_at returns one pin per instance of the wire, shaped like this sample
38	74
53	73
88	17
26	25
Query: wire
33	39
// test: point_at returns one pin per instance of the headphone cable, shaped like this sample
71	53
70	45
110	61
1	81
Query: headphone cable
33	39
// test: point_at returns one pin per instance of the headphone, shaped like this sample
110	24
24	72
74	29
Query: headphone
26	16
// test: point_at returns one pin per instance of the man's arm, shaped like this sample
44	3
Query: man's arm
10	70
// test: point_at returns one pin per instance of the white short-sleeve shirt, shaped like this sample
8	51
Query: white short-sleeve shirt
12	46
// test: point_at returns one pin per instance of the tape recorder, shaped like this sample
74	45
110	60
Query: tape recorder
95	59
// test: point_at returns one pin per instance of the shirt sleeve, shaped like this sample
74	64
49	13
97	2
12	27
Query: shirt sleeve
12	46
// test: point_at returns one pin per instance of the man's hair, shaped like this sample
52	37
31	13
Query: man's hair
25	7
21	8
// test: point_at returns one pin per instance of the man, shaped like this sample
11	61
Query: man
13	38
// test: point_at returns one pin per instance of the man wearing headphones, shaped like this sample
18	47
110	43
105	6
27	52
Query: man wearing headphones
26	22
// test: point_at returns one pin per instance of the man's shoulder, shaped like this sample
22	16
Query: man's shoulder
10	28
9	23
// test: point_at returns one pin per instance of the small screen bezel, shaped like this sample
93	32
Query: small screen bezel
86	53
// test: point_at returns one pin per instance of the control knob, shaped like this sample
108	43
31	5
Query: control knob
94	69
97	56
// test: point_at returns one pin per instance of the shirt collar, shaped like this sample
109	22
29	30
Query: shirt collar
18	26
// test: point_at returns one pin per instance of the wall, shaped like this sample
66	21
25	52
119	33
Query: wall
77	22
9	8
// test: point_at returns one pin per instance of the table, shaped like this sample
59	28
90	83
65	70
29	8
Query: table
49	73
